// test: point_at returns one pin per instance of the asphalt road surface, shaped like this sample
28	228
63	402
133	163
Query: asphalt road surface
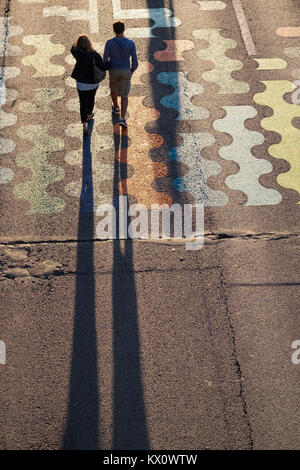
140	344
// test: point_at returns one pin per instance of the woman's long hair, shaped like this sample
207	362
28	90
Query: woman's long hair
84	44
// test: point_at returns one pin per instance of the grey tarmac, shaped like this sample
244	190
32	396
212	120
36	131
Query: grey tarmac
141	344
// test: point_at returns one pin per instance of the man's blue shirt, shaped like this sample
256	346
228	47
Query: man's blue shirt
119	51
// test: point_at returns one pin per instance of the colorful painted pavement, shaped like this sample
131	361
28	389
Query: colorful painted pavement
212	119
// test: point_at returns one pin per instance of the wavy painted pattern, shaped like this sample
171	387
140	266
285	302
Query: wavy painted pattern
99	141
251	168
281	122
137	156
200	169
42	101
223	65
41	59
6	32
180	99
7	119
8	96
42	172
100	172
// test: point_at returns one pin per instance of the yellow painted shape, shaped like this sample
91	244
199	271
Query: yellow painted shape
45	50
41	103
272	63
281	122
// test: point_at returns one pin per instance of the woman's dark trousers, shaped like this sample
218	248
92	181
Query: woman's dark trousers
87	102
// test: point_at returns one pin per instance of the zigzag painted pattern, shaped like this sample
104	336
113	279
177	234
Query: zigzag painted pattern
251	168
180	99
43	173
281	122
199	169
223	65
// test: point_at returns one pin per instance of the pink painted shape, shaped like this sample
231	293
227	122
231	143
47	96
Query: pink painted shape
174	50
289	32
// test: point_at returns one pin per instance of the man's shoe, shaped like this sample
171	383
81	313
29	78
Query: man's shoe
123	122
115	110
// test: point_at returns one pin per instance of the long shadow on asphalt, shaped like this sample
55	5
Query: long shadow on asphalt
166	125
82	427
129	418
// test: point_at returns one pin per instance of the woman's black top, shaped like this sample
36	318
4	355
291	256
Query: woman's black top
84	67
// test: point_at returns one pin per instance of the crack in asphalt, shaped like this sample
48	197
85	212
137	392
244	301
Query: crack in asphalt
236	360
23	272
209	236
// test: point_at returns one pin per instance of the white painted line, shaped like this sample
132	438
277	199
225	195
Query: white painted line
94	23
90	15
247	37
212	5
2	353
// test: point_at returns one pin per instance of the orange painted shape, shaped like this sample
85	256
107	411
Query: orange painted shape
174	50
136	154
289	32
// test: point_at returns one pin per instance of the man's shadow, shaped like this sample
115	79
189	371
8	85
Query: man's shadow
82	427
129	417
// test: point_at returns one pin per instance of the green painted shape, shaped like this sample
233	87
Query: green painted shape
223	65
43	173
42	101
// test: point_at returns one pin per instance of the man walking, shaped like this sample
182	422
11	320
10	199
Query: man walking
119	51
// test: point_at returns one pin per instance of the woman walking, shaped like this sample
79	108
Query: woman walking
86	59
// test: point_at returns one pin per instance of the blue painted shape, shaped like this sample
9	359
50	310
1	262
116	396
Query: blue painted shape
180	99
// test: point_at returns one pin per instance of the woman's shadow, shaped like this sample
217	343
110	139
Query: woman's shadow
82	427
